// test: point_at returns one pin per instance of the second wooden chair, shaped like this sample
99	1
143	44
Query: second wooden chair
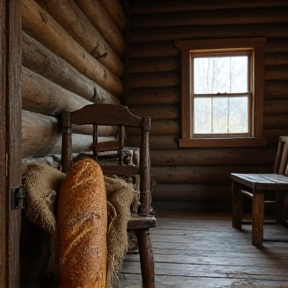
257	186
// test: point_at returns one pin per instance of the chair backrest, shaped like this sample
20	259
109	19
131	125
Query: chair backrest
121	117
281	161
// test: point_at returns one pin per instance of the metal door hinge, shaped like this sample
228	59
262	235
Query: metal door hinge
17	197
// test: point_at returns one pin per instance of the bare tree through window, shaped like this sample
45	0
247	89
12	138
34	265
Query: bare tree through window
221	93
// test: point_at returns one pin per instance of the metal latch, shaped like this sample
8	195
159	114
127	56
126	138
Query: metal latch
17	197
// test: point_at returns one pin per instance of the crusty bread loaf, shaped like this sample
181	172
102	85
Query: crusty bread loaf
82	227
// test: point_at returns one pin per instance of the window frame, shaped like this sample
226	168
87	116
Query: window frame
257	78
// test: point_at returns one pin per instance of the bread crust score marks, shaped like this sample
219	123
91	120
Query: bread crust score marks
82	227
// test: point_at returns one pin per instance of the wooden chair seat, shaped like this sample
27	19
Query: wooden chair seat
257	186
139	222
115	159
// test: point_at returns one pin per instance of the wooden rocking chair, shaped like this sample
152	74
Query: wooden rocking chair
117	115
257	186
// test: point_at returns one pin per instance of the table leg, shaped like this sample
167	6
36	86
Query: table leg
236	206
257	217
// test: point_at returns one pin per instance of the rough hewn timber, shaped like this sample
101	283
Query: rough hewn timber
154	96
157	112
40	25
43	96
172	6
99	17
228	17
191	193
115	10
153	49
213	157
156	34
75	22
151	65
42	135
163	79
42	61
202	175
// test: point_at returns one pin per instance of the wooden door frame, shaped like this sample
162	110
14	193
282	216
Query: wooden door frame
10	139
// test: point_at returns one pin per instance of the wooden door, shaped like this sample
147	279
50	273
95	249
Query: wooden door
10	139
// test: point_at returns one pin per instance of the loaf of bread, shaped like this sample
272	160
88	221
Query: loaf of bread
82	227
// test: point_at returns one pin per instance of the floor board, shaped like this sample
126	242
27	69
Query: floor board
202	250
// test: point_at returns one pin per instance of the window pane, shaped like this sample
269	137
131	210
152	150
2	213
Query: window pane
238	115
202	115
224	74
220	115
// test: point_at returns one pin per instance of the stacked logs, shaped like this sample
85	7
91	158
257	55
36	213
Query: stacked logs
72	56
201	174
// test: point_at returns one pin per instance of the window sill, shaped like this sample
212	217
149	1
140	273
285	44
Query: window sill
223	142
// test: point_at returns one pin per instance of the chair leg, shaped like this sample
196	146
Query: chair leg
146	258
257	217
236	206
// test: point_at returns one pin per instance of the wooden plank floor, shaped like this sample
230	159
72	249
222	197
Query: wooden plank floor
202	250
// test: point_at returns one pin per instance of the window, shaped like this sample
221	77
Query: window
222	92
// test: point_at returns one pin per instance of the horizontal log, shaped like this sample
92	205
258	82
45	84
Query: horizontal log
152	65
99	17
162	142
278	73
115	11
191	193
154	34
155	49
202	175
165	127
214	157
154	96
75	22
44	96
154	80
214	17
275	89
42	135
276	45
157	142
151	6
40	25
40	95
275	121
157	112
42	61
272	135
276	107
159	127
272	59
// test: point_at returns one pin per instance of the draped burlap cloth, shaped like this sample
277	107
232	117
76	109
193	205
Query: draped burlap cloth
43	182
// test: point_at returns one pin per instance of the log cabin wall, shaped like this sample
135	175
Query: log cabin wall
72	56
154	89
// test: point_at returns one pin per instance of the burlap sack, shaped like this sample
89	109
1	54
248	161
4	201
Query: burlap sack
43	182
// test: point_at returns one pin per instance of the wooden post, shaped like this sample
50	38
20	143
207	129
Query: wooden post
10	139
